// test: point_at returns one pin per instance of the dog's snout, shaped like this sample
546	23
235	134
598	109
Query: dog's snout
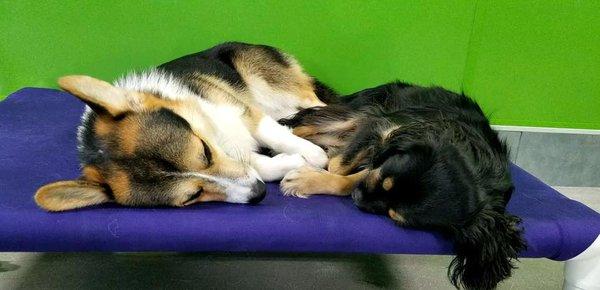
259	189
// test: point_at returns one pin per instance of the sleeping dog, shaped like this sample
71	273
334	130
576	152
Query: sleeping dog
426	157
189	130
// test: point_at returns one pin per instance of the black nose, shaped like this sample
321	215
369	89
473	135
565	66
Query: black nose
260	191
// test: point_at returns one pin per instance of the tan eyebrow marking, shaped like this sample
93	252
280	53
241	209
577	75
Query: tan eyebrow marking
388	183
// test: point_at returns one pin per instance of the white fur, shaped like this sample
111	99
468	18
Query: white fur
80	129
223	125
282	140
220	123
237	191
277	103
155	81
231	132
274	103
274	168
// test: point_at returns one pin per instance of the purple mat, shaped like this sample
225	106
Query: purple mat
38	145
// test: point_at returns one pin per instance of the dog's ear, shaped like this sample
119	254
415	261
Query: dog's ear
98	94
70	194
486	247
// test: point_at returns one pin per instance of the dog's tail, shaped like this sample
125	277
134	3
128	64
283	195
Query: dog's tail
485	249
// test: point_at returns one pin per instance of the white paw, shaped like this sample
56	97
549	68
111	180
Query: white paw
274	168
313	154
288	162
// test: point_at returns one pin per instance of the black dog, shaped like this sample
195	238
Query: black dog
428	158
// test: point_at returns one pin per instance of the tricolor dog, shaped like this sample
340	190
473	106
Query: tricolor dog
189	130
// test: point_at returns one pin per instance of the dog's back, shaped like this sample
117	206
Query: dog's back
255	74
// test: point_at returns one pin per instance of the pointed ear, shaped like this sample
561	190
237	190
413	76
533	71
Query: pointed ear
96	93
71	194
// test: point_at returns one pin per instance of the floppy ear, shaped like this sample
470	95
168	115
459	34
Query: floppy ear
71	194
96	93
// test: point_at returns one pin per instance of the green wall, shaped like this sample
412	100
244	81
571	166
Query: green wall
528	63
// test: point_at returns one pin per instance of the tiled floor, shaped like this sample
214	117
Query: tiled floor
258	271
239	271
589	196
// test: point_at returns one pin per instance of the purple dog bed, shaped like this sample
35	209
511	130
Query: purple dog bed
38	145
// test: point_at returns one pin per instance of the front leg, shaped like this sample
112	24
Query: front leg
307	181
274	168
281	140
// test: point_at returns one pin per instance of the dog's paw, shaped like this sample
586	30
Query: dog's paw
285	162
301	182
313	154
274	168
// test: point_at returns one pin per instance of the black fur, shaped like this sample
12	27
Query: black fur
325	93
450	171
216	61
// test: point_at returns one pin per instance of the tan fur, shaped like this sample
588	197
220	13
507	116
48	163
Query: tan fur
330	141
119	183
387	183
128	135
103	125
65	195
96	91
307	180
254	62
150	102
192	159
224	166
328	129
92	173
210	192
337	166
341	126
252	116
330	135
211	196
305	131
304	84
220	92
272	89
306	89
396	216
255	66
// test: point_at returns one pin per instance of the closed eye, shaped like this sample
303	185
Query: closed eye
194	196
207	153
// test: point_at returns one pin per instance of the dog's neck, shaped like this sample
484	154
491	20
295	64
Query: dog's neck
221	123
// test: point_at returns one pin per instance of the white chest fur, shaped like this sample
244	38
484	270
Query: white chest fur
226	128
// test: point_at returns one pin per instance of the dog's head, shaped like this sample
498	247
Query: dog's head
139	149
418	182
427	183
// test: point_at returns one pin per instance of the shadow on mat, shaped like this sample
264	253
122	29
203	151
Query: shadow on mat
6	266
201	270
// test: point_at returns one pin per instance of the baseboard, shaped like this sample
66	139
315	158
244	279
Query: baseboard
545	130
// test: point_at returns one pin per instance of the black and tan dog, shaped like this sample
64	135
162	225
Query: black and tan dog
189	130
426	157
